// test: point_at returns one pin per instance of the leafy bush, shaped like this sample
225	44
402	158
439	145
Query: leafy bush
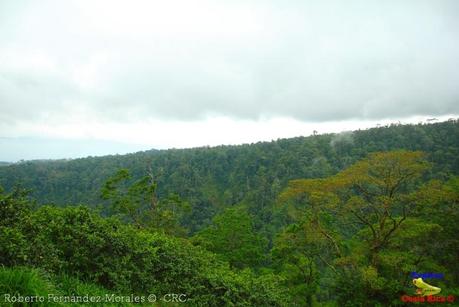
124	259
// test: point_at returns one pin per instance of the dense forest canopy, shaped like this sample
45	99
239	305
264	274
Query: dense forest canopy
211	179
326	220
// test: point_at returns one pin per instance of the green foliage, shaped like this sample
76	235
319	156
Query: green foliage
169	215
375	239
213	178
295	254
440	206
22	281
41	289
70	285
232	236
130	202
14	208
370	209
138	204
122	258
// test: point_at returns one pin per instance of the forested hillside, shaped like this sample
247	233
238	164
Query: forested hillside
332	220
211	179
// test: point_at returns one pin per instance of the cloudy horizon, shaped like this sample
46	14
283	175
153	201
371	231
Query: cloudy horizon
134	75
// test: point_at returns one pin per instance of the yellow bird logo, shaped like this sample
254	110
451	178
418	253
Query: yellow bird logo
424	289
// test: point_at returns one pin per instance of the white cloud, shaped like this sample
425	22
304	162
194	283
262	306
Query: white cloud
97	68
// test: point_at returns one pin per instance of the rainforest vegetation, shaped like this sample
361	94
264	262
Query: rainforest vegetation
326	220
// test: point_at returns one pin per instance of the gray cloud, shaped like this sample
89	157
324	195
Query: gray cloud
310	60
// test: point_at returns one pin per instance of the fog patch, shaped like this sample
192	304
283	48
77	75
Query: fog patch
345	137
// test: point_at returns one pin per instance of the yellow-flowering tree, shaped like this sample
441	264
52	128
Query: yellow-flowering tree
353	222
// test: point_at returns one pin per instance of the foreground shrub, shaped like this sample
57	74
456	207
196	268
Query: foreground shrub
123	259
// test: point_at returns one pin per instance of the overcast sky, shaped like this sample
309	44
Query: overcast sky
96	77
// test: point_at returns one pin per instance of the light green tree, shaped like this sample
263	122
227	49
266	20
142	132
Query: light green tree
136	202
361	224
232	236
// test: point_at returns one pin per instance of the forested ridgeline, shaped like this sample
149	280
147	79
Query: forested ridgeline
331	220
210	179
355	238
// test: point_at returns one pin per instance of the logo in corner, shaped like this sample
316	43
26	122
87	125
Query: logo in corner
424	289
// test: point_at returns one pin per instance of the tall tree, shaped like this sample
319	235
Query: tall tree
366	214
137	203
